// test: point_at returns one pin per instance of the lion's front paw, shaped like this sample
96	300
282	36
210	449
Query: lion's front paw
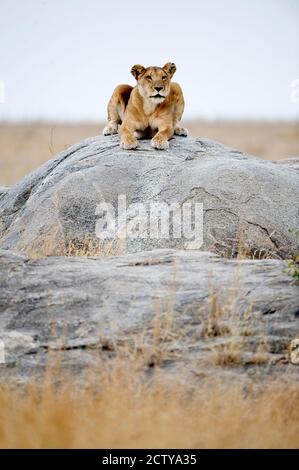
181	131
128	143
110	129
159	143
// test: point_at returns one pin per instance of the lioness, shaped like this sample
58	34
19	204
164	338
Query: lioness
153	108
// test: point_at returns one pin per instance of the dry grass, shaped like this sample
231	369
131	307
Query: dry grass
241	246
120	411
232	331
53	245
127	402
92	247
24	147
231	353
271	141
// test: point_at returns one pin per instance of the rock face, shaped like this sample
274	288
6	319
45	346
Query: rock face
191	312
249	205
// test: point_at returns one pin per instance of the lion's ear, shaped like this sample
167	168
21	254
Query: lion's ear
170	68
137	71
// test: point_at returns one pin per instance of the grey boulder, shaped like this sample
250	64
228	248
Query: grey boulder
190	313
250	206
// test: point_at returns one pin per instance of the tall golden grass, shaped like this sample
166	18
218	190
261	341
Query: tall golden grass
129	399
119	410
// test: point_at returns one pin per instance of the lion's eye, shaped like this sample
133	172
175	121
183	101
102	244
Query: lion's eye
148	77
164	77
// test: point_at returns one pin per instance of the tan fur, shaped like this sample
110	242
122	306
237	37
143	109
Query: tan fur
144	111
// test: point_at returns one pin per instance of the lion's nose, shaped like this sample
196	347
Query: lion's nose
158	88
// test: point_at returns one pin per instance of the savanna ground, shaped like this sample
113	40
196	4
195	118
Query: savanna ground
24	147
119	410
120	407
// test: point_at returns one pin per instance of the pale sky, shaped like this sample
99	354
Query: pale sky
61	59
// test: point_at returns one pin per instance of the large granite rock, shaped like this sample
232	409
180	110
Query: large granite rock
189	312
250	206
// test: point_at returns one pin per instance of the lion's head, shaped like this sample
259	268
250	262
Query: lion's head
154	82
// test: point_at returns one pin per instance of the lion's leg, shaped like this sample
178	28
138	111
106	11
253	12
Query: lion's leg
177	116
179	130
116	108
128	140
160	140
113	116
